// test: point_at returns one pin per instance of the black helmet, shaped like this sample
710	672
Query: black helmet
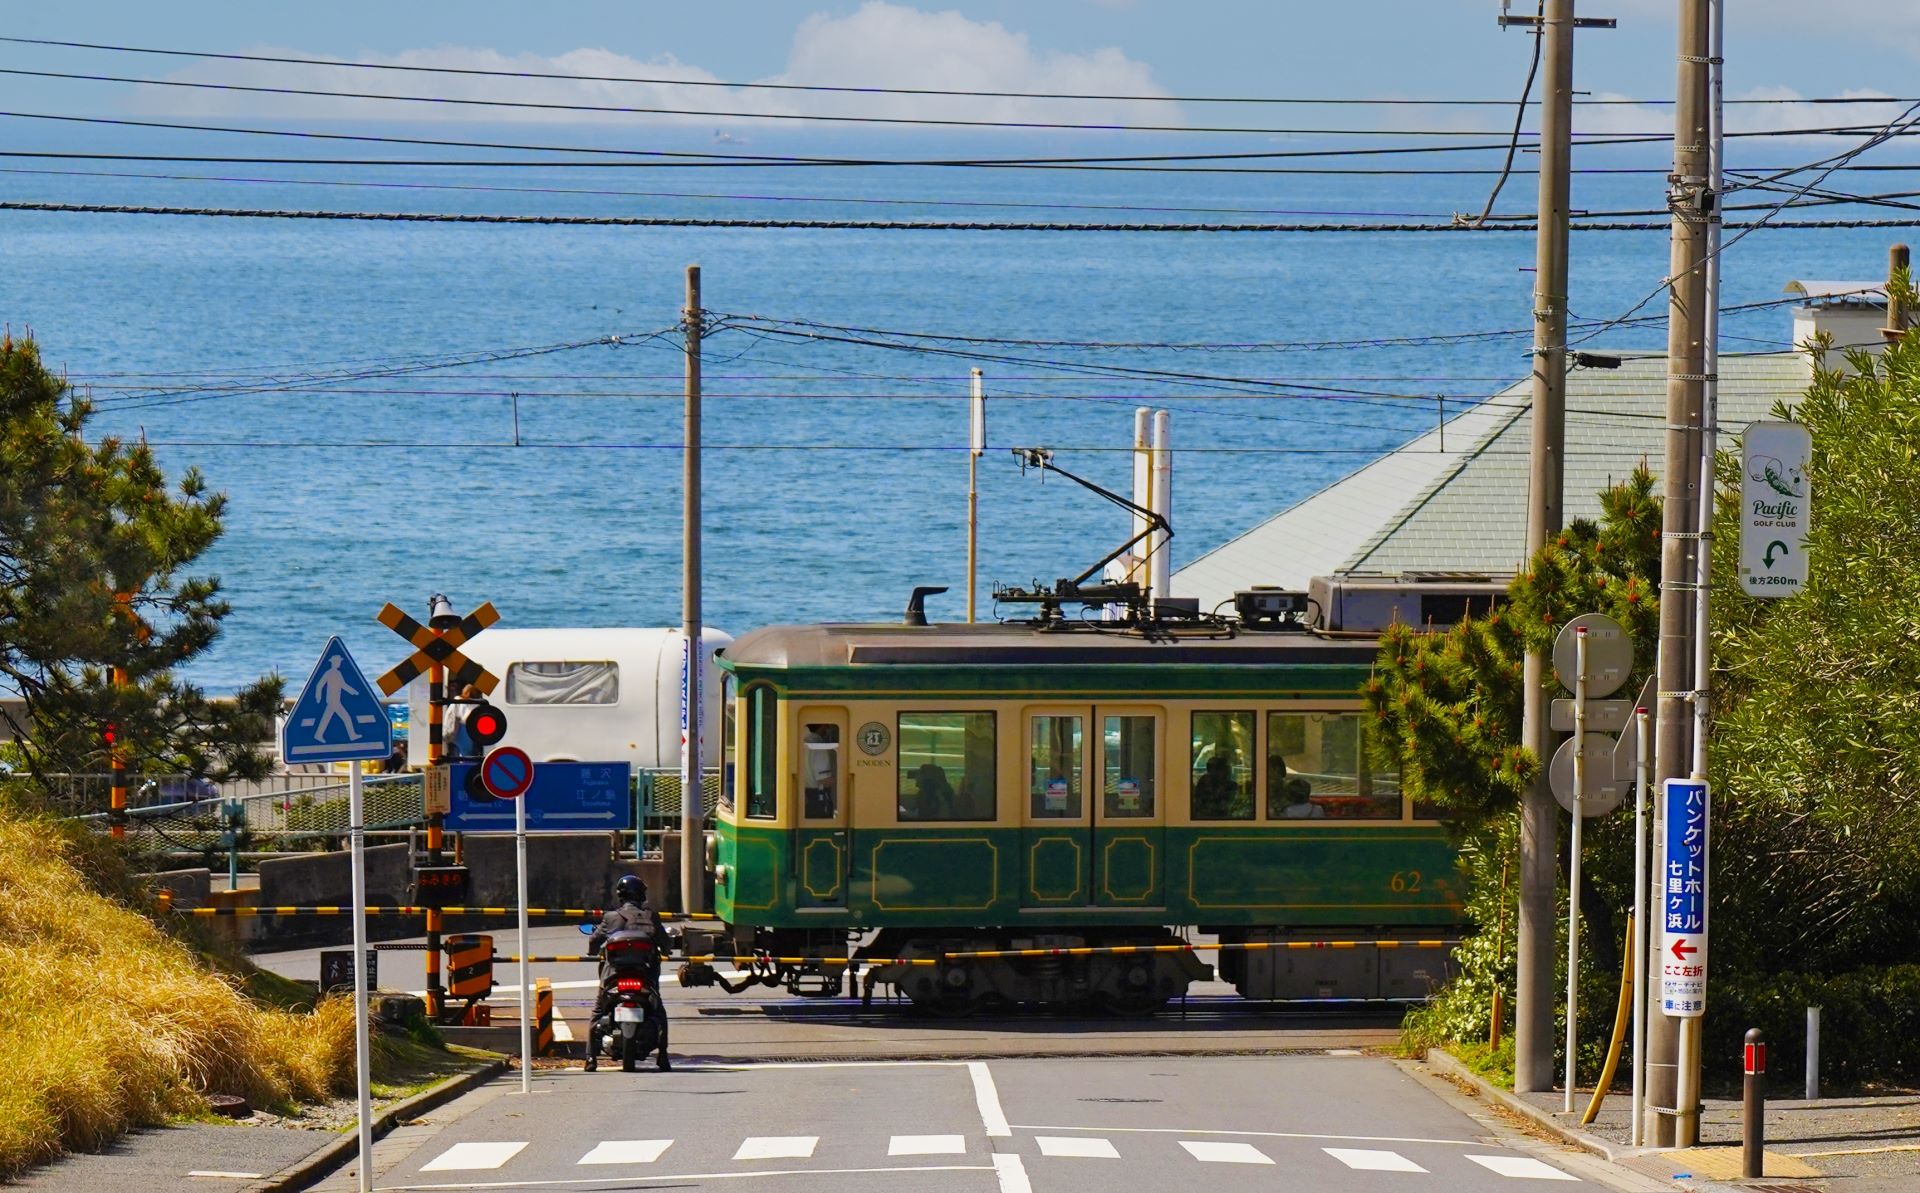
630	889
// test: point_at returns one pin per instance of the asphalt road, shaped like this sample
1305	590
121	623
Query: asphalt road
1329	1124
766	1024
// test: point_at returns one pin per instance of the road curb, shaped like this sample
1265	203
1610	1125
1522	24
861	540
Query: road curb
324	1159
1449	1066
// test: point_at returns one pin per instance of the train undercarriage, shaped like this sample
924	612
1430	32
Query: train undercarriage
940	970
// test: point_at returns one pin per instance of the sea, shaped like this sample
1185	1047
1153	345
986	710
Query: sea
395	409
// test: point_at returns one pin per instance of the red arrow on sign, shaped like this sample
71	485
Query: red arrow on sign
1683	950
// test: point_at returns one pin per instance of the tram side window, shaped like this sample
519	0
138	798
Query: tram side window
763	755
946	766
1223	765
1057	766
1318	767
729	742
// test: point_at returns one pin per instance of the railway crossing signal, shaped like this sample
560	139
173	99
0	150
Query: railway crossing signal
439	649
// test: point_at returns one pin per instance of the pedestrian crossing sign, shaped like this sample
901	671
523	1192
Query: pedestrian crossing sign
338	717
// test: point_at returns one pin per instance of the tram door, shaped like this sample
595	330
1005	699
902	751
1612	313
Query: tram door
822	842
1092	829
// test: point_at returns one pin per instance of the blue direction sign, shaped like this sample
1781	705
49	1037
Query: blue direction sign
564	795
1683	901
339	717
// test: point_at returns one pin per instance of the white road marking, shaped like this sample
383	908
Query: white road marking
1256	1134
1345	1052
473	1155
635	1180
1083	1147
927	1145
1226	1153
1372	1161
776	1147
231	1176
1012	1173
1525	1167
627	1151
988	1099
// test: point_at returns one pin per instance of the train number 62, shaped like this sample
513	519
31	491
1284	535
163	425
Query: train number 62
1404	882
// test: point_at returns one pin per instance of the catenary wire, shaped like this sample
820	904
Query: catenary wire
855	90
722	114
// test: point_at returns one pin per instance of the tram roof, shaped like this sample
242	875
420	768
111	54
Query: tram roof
998	645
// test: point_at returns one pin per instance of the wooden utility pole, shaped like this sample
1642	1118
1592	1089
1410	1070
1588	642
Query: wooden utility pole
1672	1076
693	840
1533	1035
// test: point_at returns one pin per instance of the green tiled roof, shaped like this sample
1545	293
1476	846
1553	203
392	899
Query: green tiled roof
1463	509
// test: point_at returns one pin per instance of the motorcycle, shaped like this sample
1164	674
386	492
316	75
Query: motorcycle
635	1022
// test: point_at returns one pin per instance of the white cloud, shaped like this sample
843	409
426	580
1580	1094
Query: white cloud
878	45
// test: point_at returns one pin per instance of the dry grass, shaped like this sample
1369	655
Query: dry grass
106	1022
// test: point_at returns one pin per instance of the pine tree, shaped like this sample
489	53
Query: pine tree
94	559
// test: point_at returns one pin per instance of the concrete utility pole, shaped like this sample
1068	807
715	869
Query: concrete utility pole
1539	815
1690	198
693	842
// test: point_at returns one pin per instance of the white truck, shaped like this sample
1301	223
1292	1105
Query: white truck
588	695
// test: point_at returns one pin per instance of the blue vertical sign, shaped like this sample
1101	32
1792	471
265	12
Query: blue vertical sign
1683	901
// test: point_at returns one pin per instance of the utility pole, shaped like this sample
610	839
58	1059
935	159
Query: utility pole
1672	1065
1539	815
693	842
976	444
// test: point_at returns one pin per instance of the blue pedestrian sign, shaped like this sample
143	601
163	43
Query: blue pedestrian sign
1683	901
339	716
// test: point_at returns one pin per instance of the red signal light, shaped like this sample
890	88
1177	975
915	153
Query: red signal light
486	725
110	734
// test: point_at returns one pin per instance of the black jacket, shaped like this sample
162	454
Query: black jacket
625	918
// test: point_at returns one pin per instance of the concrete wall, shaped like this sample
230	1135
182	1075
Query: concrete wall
326	879
190	887
307	879
563	869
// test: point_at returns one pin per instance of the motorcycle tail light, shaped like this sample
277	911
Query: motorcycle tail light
625	984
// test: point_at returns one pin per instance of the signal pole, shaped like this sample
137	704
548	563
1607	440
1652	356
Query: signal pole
1533	1036
692	832
1672	1067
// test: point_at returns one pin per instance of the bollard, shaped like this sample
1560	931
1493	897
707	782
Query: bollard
1813	1054
1753	1105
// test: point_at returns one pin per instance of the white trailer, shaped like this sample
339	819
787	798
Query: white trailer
588	695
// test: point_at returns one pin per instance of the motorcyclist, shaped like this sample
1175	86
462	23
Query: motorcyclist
630	913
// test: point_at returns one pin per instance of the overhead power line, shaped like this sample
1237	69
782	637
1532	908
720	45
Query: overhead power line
671	157
724	114
645	221
971	93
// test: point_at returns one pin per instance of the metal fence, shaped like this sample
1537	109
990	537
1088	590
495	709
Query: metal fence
310	806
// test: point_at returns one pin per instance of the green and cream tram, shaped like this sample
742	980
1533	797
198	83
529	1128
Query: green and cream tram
955	788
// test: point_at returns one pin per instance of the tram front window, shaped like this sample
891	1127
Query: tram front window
1057	767
946	766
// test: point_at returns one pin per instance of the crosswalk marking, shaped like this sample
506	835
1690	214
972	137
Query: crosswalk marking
927	1145
1370	1160
1225	1153
1081	1146
1522	1166
473	1155
627	1151
777	1147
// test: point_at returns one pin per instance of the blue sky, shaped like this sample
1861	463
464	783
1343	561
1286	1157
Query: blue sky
1361	47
